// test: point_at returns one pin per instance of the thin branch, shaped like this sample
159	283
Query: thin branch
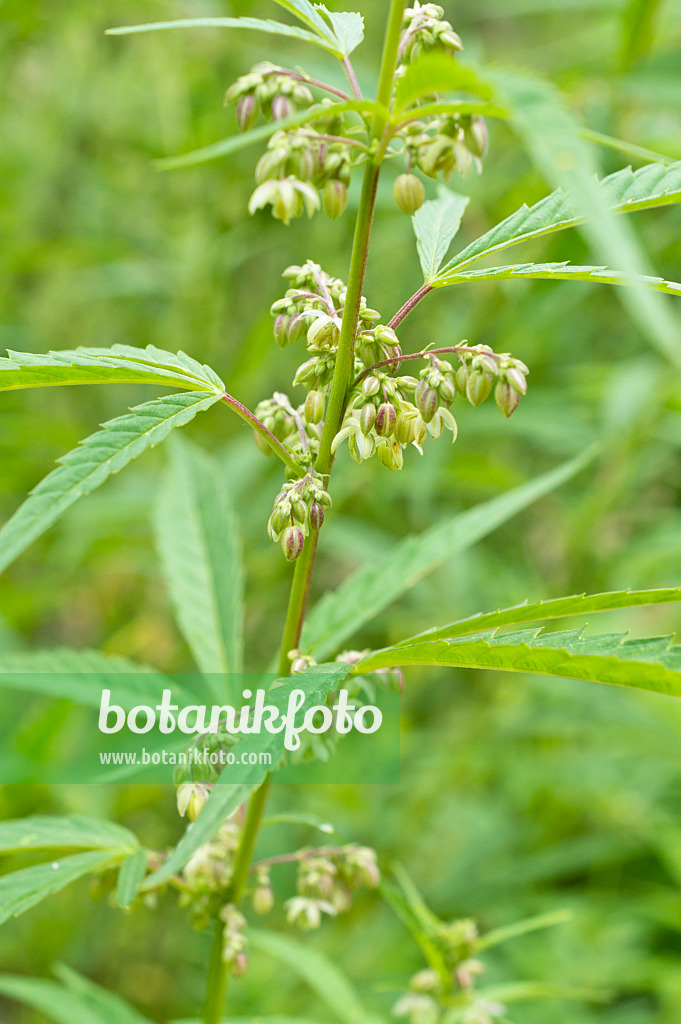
406	309
277	447
314	82
304	854
352	78
449	350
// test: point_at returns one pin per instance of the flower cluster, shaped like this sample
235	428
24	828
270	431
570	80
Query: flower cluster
432	992
309	166
326	880
274	91
234	940
298	508
386	411
425	31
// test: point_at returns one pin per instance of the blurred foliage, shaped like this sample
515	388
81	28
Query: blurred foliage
518	795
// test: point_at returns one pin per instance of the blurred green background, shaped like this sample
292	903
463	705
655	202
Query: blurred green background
518	795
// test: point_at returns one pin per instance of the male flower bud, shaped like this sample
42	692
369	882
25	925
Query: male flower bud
263	897
316	516
409	193
292	542
296	329
246	111
516	378
407	426
280	328
304	912
478	387
390	454
367	418
507	398
461	379
282	107
429	401
447	389
314	407
323	332
386	417
191	799
477	137
335	198
370	385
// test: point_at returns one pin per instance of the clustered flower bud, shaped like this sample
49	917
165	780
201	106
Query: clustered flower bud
326	880
263	897
274	91
234	940
298	508
191	798
425	31
409	193
481	370
447	143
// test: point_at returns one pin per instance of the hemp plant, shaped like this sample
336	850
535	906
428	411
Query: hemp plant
358	391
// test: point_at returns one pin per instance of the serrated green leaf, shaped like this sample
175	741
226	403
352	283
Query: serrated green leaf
625	191
317	971
278	28
130	876
556	608
229	145
44	832
347	28
438	73
110	1007
435	225
560	272
197	537
375	586
307	13
80	676
85	468
21	890
49	998
553	140
651	664
317	682
115	365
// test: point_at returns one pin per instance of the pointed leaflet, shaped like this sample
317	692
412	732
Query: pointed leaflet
80	676
197	536
116	365
553	140
130	877
557	608
559	272
348	29
437	73
43	832
317	683
625	191
96	458
375	586
316	970
435	225
21	890
256	24
651	664
234	142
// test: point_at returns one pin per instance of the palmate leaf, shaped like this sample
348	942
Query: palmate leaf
80	676
317	682
560	272
76	831
116	365
435	225
347	29
556	608
375	586
623	192
85	468
316	970
553	140
198	541
20	890
650	664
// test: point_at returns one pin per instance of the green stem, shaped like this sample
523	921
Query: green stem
300	587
